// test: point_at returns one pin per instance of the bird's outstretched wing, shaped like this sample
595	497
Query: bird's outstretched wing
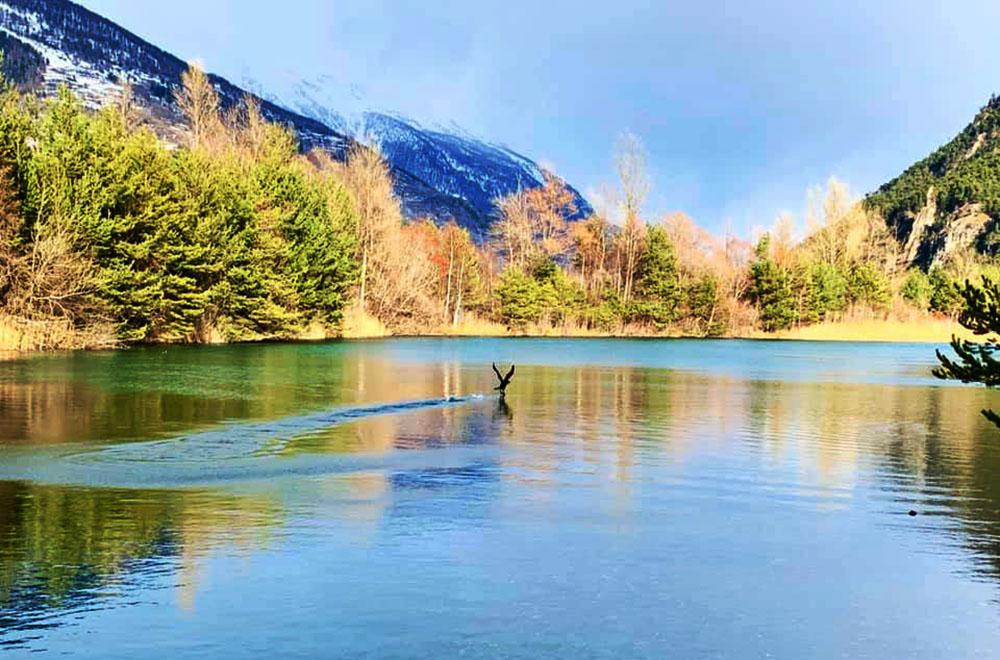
509	373
497	371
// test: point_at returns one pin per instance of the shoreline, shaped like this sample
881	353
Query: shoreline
929	331
936	331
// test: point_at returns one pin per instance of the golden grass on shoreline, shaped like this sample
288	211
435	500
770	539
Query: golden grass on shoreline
888	330
23	335
868	330
15	342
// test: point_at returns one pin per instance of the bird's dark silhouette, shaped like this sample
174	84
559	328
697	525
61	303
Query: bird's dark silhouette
504	380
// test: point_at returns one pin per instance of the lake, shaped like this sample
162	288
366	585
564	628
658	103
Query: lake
629	499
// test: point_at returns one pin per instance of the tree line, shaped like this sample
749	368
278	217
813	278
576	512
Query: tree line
113	230
632	276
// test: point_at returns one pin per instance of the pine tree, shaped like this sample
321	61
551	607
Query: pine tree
704	305
976	362
659	291
946	294
317	227
828	290
868	285
255	297
770	289
607	314
917	289
245	238
521	297
11	259
562	298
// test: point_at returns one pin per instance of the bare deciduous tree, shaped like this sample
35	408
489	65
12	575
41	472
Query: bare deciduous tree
825	221
592	241
199	101
514	231
633	178
633	181
533	221
396	281
125	107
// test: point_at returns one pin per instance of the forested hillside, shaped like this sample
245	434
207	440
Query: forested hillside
948	203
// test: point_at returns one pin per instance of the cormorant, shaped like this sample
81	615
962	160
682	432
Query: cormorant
504	380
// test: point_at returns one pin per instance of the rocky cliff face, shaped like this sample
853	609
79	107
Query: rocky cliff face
935	238
48	43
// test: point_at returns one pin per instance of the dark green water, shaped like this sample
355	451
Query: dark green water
632	499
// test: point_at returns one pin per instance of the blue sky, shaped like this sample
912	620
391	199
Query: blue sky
741	105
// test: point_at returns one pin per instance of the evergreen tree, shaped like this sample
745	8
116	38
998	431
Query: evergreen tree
606	315
703	306
252	297
770	289
521	297
867	284
245	239
828	290
317	228
976	362
659	291
917	289
946	294
17	126
117	194
561	297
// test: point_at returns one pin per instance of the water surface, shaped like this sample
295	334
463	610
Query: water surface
653	498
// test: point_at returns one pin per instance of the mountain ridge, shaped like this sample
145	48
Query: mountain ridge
450	159
446	176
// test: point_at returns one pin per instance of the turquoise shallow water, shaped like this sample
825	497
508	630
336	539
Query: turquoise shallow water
653	498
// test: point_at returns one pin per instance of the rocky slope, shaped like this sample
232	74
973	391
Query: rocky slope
948	202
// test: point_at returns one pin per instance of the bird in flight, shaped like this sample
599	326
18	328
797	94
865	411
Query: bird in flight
504	380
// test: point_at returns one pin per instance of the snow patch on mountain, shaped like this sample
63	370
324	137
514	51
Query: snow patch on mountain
442	172
448	158
93	84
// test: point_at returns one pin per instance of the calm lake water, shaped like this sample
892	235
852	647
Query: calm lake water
632	499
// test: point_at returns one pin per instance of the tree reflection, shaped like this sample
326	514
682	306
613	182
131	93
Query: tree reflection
62	547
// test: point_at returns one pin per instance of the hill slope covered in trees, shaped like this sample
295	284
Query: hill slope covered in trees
949	202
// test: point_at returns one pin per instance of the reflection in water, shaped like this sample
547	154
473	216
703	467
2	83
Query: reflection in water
436	478
66	549
503	411
630	441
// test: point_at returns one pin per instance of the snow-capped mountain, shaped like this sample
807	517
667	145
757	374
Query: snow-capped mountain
442	173
48	43
455	164
449	160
